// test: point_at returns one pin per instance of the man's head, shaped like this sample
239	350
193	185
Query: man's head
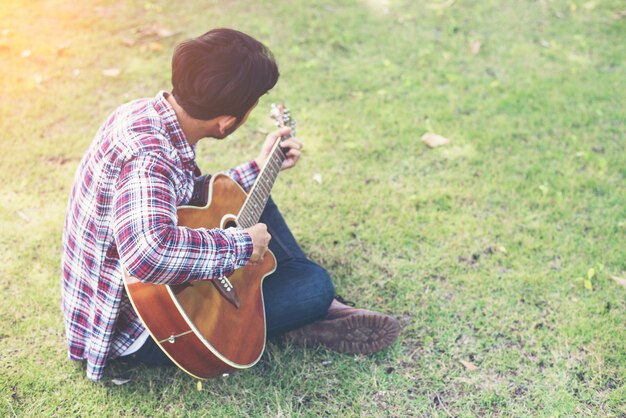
223	72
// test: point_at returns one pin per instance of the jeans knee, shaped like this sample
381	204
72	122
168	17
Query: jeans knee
325	286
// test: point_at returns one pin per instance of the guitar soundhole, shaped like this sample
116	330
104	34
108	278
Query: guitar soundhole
230	224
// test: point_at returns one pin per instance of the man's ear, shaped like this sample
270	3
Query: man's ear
225	123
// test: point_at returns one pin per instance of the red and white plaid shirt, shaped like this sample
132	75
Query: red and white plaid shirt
122	210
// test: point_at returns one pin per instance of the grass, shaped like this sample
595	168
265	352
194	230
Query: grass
480	247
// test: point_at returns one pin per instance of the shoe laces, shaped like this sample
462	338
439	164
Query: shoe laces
344	301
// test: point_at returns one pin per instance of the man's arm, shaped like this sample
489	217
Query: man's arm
151	245
245	174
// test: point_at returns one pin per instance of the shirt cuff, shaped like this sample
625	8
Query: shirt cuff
246	174
242	245
253	167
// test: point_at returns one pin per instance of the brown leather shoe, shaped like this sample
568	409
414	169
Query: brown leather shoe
348	330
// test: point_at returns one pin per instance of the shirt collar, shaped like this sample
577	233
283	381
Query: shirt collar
172	126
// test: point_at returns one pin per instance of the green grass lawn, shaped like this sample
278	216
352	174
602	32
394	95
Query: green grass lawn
482	247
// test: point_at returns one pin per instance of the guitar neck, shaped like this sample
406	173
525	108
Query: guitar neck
259	194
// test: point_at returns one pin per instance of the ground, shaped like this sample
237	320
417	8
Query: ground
501	252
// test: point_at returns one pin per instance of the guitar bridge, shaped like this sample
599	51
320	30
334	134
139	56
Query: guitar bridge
227	290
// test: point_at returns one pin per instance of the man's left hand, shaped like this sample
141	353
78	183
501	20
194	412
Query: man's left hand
291	146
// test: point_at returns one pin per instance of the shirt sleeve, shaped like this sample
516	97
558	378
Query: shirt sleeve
244	174
151	245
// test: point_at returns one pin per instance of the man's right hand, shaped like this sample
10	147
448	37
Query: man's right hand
260	240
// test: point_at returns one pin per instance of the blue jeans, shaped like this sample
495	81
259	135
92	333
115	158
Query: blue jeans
297	293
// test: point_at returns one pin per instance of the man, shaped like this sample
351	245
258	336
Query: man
122	214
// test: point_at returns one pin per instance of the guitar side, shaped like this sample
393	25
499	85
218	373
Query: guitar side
199	329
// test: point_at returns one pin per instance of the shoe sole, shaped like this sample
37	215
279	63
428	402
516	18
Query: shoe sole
362	333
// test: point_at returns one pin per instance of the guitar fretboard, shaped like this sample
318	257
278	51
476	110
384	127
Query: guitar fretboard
259	194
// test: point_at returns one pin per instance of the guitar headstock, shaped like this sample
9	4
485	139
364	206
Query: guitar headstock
282	117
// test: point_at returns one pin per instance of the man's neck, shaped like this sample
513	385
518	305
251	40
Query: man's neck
193	129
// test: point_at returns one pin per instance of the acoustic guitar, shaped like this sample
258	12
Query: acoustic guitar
209	328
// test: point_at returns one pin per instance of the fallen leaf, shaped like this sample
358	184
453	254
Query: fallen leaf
38	79
199	385
128	41
318	178
433	140
154	30
165	32
23	216
439	6
619	281
60	48
146	32
545	44
590	273
588	284
619	15
111	72
475	47
57	159
155	47
119	381
468	365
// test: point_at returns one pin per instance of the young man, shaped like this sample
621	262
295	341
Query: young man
122	214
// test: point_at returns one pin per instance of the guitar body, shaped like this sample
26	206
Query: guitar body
203	332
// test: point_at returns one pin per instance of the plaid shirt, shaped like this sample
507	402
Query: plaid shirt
122	210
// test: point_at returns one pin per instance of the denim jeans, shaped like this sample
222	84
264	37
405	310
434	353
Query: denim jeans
297	293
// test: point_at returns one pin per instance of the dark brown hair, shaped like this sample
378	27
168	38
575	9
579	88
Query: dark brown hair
223	72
